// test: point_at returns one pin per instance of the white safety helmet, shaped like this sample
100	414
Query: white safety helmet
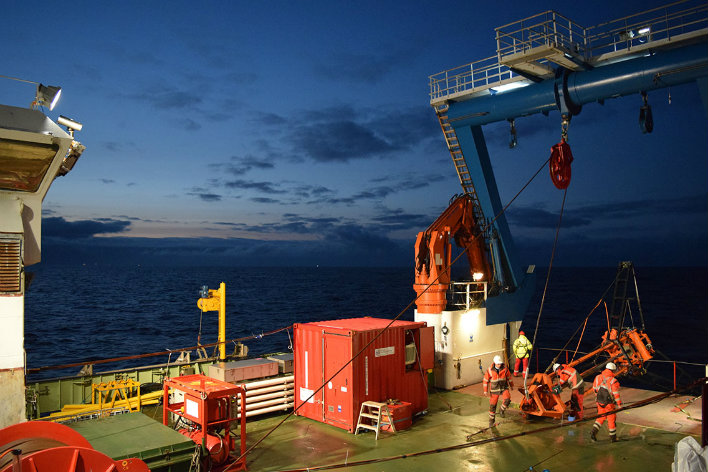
556	367
498	360
611	366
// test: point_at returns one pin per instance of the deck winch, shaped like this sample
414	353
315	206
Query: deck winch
42	446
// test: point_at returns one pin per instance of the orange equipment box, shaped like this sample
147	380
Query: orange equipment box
401	413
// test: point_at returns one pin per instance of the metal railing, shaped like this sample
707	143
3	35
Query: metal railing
467	295
651	26
544	29
475	75
592	44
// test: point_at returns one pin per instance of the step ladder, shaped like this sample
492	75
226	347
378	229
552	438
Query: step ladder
458	159
370	417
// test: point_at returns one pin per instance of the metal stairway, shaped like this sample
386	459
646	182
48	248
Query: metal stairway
458	159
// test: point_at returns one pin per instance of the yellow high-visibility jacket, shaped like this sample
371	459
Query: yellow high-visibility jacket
522	347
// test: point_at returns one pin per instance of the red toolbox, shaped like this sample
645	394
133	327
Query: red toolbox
401	414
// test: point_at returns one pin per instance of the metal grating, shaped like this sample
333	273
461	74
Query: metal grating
10	265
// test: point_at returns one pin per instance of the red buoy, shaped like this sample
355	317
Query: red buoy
561	157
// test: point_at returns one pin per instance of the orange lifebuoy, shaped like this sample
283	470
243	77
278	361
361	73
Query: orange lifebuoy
561	157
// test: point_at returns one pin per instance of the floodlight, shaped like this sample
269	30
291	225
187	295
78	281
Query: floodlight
477	276
47	96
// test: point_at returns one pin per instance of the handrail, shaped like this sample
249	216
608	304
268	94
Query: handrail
472	298
591	44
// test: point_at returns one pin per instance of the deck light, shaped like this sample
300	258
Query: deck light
509	86
645	30
47	96
477	276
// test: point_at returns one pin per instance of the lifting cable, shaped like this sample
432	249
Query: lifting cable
361	351
637	404
545	288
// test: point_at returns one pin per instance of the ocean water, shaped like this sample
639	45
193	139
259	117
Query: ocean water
91	312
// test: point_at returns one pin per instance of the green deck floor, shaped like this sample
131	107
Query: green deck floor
303	443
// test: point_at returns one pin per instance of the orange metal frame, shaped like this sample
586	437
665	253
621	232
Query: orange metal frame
627	348
215	399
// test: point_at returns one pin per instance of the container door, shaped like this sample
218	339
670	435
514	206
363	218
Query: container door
338	391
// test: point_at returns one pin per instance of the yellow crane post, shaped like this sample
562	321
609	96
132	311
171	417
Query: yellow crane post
215	300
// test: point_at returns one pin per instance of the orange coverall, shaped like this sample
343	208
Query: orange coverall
497	382
568	375
606	380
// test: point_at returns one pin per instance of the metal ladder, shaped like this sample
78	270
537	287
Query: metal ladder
458	159
370	417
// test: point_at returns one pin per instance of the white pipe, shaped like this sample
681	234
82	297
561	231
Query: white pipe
265	383
267	396
274	388
267	410
277	401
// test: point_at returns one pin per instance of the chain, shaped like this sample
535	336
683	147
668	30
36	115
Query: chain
565	121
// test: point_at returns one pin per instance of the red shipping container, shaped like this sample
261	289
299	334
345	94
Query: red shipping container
400	414
393	366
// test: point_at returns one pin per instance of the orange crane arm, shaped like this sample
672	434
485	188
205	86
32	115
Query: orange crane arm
433	252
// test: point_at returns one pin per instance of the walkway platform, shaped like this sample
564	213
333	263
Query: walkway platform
647	437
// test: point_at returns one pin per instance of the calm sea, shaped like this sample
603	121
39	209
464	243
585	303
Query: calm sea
84	313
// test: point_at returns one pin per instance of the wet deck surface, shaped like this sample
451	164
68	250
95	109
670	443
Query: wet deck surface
647	436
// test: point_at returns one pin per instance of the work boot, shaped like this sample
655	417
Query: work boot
502	413
613	438
491	422
593	435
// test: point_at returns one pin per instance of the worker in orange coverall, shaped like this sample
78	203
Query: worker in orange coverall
607	395
497	381
569	376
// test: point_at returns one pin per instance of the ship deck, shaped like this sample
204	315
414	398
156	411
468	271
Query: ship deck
647	436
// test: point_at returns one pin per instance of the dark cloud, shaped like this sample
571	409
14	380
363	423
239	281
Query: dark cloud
339	141
536	217
167	97
312	191
540	218
209	197
264	200
270	119
361	68
404	128
58	227
204	194
694	204
190	125
265	187
343	133
240	165
393	220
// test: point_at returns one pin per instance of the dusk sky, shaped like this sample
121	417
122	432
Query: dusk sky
301	133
